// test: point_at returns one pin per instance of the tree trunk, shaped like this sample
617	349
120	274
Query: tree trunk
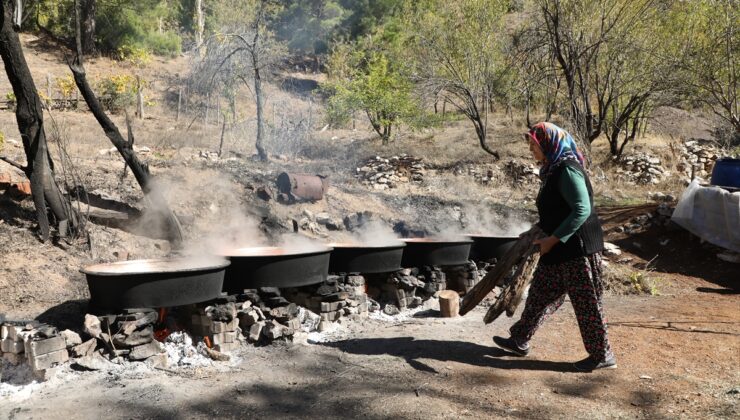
125	148
200	24
30	118
260	117
88	26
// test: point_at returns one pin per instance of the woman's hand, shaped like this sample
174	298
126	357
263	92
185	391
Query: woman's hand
546	244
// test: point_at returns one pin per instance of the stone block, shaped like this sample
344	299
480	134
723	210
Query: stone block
45	374
294	324
71	338
92	326
159	360
14	358
11	346
4	331
38	347
48	360
248	319
85	349
226	347
330	306
330	316
145	351
255	331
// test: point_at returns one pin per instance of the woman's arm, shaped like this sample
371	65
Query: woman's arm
572	186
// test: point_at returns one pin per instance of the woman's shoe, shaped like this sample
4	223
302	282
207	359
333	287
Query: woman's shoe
589	364
510	345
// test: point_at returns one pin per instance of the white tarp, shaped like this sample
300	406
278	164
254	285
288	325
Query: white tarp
711	213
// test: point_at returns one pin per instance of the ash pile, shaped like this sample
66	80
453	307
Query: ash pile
642	169
383	173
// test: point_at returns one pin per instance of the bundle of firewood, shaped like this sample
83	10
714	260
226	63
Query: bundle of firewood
522	259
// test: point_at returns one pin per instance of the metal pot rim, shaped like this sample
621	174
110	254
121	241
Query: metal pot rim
155	266
436	241
271	251
351	245
484	236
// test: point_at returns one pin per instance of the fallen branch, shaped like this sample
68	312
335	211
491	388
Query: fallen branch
13	163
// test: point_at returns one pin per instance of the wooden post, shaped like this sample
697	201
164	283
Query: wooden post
139	98
208	108
449	303
179	103
48	89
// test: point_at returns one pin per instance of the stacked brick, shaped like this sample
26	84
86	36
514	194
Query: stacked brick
339	296
129	335
406	288
462	278
217	324
41	346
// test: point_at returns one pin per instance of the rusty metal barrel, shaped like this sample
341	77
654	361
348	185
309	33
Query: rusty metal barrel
302	187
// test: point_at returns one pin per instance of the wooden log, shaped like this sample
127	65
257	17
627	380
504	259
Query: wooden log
510	297
516	256
449	303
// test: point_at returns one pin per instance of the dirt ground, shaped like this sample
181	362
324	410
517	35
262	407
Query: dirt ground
678	351
677	356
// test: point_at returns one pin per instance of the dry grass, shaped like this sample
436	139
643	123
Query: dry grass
623	279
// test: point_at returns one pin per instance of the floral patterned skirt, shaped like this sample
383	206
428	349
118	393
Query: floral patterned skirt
581	279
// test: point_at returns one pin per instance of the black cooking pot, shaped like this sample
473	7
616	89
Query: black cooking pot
274	267
156	283
367	259
421	252
486	248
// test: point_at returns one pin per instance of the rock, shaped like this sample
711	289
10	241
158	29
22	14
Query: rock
158	361
255	331
92	326
391	310
85	349
92	362
611	250
71	338
145	351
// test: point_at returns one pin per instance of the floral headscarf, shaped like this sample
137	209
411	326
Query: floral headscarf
557	145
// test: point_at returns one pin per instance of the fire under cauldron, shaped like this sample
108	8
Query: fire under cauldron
365	259
421	252
155	283
486	248
274	267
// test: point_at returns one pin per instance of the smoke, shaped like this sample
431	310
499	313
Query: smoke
375	233
483	220
296	243
209	206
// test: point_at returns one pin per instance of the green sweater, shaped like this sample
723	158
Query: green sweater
573	188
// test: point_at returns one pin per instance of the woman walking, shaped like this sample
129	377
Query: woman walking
570	259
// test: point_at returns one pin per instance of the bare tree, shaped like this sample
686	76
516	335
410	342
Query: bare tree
242	53
30	118
87	9
459	58
125	147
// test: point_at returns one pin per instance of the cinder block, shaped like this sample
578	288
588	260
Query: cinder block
255	330
38	347
45	374
48	360
11	346
227	347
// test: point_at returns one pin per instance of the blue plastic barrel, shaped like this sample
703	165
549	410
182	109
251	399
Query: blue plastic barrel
726	173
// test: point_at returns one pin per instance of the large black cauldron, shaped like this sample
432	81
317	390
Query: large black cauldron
155	283
275	267
365	259
486	248
421	252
